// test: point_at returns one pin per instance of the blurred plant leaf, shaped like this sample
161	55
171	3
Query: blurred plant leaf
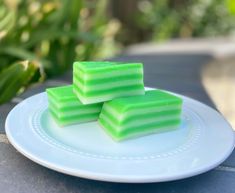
161	20
50	33
18	52
14	78
231	6
7	20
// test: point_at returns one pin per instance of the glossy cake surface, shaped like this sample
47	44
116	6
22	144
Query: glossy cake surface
66	109
103	81
134	116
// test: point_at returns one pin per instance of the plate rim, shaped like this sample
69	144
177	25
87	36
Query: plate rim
112	177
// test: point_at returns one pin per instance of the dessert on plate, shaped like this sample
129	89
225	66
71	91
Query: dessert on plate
113	93
66	109
134	116
103	81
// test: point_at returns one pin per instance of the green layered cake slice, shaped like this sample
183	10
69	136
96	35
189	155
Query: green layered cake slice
102	81
66	109
129	117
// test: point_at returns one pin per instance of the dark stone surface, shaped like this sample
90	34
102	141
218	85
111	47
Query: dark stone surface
230	161
19	174
180	73
4	110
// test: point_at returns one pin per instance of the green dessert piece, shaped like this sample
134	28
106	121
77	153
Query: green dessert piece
66	109
102	81
134	116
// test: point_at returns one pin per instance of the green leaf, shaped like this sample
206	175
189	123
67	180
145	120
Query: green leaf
7	21
231	6
14	78
18	52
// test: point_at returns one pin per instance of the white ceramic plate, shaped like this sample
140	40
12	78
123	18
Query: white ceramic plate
202	142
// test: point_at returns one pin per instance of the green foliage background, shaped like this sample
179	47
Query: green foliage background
51	35
41	39
161	20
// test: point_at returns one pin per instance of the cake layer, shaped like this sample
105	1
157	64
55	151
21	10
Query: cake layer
62	94
73	105
67	113
98	69
66	109
139	122
101	81
106	97
153	99
140	130
140	112
102	85
122	89
129	116
74	119
138	118
98	76
107	80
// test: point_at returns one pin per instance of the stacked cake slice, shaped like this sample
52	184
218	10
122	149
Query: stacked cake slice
113	93
140	115
103	81
67	109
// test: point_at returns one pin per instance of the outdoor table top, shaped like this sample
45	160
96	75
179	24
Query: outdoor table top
179	73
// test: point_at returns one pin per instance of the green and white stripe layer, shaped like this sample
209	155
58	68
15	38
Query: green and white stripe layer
102	81
66	109
131	117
